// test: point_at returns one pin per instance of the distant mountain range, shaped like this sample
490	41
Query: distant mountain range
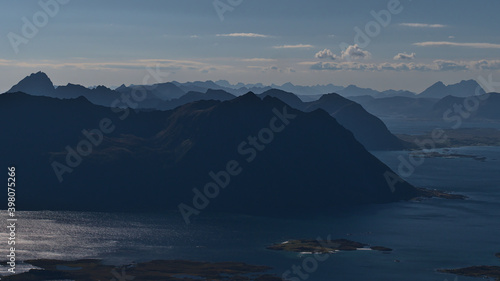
40	84
367	128
282	160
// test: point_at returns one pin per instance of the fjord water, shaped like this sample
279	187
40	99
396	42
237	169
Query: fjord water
425	236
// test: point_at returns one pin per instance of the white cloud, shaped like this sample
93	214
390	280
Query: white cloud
274	68
404	56
251	35
448	44
451	37
355	52
423	25
486	64
258	60
447	65
325	54
298	46
436	66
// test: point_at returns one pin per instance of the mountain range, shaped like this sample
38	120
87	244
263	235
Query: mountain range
76	155
367	128
38	84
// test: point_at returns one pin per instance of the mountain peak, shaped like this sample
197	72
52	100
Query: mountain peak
464	88
38	84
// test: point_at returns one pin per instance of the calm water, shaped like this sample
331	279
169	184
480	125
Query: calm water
425	235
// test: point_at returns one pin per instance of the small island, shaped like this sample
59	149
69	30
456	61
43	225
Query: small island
477	271
175	270
323	247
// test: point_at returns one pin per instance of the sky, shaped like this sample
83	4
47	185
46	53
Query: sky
380	44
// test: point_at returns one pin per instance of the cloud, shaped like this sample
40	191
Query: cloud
405	67
298	46
258	60
404	56
325	54
486	64
326	66
355	52
448	44
446	65
274	68
423	25
251	35
451	37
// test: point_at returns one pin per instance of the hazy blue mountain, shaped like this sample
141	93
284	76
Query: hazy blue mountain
484	107
465	88
397	106
353	90
160	156
396	93
367	128
157	92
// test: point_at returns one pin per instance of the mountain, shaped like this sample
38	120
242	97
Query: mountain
465	88
287	97
353	90
155	93
458	109
247	155
219	95
37	84
367	128
398	106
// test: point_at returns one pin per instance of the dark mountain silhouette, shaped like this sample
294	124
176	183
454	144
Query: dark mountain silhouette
287	97
152	160
465	88
367	128
154	95
37	84
219	95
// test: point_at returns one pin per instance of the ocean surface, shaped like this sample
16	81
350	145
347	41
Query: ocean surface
425	235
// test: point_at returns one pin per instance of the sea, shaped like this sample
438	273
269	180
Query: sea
425	235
